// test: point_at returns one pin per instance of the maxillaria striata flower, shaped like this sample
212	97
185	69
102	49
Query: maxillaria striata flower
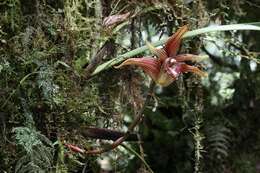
168	65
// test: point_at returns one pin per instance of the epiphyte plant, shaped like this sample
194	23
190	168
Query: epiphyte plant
168	65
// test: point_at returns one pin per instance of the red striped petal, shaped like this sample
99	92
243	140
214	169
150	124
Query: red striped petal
190	57
173	44
188	68
149	64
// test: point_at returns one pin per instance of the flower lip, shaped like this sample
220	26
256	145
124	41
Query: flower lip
172	67
172	61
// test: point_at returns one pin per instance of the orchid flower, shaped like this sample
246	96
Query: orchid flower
168	66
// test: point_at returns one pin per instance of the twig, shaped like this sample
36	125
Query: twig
141	150
245	53
252	4
136	121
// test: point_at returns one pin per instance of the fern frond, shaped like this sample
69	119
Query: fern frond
26	137
22	161
218	139
39	152
31	167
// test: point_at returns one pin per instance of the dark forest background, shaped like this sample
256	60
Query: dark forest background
48	98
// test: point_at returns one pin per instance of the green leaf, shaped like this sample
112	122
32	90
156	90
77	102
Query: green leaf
222	28
120	58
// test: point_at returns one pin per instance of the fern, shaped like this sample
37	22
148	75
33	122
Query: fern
38	151
27	138
46	84
218	138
